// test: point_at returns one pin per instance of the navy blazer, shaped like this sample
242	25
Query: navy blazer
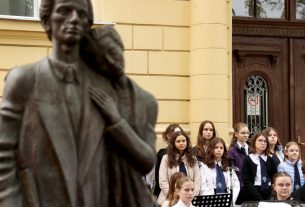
249	169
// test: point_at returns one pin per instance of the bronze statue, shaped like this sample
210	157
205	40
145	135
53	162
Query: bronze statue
65	138
131	113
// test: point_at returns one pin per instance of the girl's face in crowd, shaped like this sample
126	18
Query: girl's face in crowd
282	187
292	152
180	143
186	193
272	137
218	151
260	144
242	135
208	131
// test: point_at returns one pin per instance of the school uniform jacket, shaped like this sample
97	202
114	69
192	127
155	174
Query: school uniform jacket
288	167
249	169
207	186
165	174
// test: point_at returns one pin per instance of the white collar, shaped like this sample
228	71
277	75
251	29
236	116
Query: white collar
292	164
219	163
181	204
256	156
240	146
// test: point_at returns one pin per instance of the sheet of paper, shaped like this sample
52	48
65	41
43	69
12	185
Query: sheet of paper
273	204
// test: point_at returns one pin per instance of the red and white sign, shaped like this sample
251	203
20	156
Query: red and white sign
253	105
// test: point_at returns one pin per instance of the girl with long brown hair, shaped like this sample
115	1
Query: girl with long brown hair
215	173
275	148
170	129
206	133
179	158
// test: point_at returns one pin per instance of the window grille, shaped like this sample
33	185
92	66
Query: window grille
256	103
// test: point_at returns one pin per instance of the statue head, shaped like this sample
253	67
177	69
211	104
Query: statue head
103	50
47	8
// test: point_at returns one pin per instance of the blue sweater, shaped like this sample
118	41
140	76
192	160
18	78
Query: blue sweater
288	167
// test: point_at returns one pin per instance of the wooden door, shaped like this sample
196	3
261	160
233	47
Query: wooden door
268	58
298	94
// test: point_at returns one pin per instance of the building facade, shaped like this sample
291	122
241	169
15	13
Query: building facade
179	50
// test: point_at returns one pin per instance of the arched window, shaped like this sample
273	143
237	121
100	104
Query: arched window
256	103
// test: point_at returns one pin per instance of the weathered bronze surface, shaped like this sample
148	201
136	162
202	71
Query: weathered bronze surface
71	133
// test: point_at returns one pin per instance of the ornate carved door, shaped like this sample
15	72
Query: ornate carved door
261	83
269	66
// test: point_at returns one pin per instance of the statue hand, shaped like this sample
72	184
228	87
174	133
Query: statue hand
106	105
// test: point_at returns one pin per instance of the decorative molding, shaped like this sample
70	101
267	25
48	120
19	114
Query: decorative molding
260	62
274	32
268	28
241	52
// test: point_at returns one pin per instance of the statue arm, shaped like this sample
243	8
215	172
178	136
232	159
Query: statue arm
11	111
141	149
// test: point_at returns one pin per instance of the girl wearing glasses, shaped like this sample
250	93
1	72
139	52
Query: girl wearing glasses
258	170
239	149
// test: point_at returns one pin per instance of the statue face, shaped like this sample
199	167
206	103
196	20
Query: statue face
115	56
69	20
113	62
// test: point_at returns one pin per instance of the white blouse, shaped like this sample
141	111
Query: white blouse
181	204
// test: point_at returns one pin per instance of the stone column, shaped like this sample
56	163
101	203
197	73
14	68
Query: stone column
210	66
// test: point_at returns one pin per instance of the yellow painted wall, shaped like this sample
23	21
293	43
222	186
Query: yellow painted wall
179	50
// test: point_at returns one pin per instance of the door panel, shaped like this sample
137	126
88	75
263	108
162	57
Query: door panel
267	57
298	81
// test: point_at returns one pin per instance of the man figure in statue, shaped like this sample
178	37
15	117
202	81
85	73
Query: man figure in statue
53	136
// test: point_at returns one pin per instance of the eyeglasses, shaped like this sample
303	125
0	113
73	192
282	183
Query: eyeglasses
262	141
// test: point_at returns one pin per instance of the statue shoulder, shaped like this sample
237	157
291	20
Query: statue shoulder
20	80
23	73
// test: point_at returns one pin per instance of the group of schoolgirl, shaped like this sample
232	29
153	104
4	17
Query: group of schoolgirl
207	164
246	170
260	161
